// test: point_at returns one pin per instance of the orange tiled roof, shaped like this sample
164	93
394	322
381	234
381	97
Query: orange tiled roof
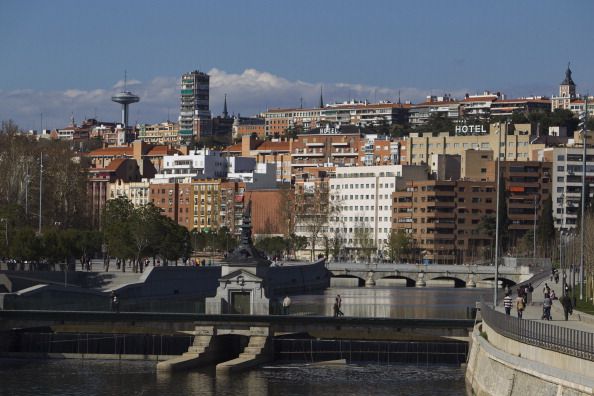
115	164
233	148
159	151
274	146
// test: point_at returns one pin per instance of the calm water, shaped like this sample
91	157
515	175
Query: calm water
77	378
393	302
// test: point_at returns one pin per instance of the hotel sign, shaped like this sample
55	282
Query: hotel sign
471	130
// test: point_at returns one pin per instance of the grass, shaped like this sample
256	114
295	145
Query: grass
584	305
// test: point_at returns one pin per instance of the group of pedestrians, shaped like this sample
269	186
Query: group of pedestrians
524	298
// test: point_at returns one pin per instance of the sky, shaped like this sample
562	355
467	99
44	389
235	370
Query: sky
64	58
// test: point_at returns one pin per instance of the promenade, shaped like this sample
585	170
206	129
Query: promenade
533	311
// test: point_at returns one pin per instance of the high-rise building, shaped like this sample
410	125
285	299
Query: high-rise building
194	117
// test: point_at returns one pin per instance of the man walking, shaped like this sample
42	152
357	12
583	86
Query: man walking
520	305
507	303
567	306
286	305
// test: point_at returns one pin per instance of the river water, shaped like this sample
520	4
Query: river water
78	378
75	377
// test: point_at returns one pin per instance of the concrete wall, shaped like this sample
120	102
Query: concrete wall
500	366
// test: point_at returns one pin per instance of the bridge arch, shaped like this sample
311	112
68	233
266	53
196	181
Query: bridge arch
505	282
360	281
458	283
409	281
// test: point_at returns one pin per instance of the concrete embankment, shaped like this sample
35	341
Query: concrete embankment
500	366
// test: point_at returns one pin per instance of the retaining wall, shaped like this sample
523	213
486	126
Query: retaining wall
500	366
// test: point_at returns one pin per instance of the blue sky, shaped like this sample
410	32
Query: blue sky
61	57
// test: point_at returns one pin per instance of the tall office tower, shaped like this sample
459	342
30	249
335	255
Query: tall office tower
194	118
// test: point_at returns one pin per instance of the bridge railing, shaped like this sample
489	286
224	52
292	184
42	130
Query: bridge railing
561	339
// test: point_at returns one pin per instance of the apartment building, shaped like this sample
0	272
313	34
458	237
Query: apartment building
192	203
512	145
361	198
442	219
567	172
527	187
194	116
204	163
162	133
136	192
337	146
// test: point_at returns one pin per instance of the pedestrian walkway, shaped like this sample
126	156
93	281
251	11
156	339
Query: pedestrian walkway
533	310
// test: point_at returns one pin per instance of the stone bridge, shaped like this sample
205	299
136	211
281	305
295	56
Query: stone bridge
419	275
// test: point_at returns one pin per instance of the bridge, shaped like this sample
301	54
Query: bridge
419	275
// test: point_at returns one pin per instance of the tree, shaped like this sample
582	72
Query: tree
399	245
312	211
437	122
364	240
272	246
175	240
25	245
144	225
545	231
116	228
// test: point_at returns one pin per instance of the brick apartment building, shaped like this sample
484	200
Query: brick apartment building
442	219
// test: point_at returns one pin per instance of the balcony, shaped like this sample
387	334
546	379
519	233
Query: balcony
345	154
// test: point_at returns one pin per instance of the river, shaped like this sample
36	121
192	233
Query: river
75	377
78	378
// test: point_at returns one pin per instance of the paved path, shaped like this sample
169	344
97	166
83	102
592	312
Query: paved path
533	310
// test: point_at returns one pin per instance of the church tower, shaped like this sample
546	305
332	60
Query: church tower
566	92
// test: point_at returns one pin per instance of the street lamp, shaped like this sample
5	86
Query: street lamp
498	174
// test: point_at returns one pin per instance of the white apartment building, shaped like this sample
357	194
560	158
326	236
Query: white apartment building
567	183
261	176
362	197
201	164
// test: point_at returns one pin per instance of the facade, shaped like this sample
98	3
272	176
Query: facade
194	116
527	187
136	192
515	145
203	163
326	147
192	203
376	150
243	126
442	219
445	106
162	133
99	180
361	198
567	183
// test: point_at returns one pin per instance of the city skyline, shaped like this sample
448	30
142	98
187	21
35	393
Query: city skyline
264	57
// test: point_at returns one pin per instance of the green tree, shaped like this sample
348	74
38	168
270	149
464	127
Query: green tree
437	122
144	225
545	231
25	245
116	228
175	242
399	245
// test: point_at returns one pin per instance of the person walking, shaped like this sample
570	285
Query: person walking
339	305
566	304
286	305
115	302
520	305
507	303
546	307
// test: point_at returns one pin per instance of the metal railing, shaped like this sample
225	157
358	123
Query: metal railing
561	339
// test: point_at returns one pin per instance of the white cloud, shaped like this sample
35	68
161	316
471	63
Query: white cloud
125	83
248	93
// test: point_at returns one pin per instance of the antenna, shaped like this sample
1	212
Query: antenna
125	79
